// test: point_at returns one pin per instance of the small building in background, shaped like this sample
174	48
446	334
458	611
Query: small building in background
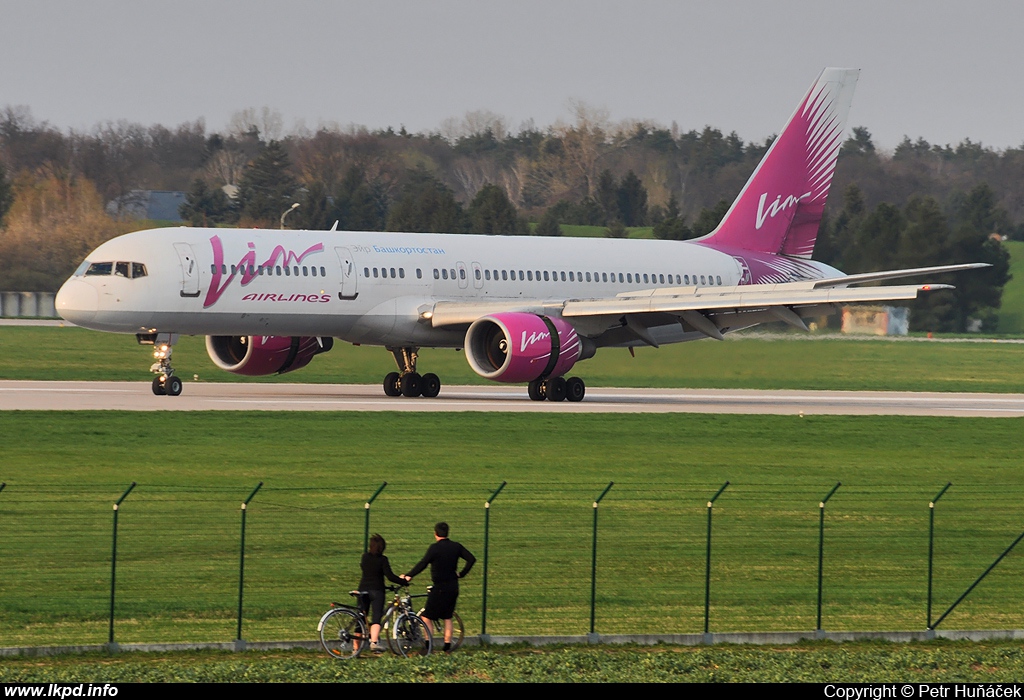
876	320
158	205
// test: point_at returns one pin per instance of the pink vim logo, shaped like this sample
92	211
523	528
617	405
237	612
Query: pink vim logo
779	205
247	267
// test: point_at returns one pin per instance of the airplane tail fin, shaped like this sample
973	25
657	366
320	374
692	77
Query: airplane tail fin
779	209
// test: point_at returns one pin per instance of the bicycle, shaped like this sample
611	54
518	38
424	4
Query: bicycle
458	630
344	630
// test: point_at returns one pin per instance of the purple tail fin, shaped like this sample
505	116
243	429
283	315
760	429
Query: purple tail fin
779	209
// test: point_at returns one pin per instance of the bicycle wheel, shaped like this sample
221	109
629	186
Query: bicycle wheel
458	631
412	636
343	633
387	632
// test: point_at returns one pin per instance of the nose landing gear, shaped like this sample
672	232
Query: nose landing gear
166	383
407	382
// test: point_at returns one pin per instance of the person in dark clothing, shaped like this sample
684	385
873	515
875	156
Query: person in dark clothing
443	558
375	567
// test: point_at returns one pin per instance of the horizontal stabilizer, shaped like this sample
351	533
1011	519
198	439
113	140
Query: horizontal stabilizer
894	274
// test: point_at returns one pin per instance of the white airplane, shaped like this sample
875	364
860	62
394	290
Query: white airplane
526	309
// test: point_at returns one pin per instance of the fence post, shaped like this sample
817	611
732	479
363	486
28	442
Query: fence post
592	637
707	569
487	537
239	642
931	550
366	507
819	632
113	569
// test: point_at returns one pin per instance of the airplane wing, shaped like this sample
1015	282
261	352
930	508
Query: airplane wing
708	310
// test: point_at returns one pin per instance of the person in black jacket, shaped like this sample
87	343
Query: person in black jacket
443	557
375	567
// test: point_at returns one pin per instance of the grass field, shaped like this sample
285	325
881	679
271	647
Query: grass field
986	662
178	537
797	362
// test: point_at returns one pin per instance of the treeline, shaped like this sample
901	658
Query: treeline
475	175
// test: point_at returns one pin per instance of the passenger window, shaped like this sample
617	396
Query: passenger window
138	270
375	273
401	273
702	281
563	275
323	272
305	271
629	277
529	275
588	277
546	276
313	270
645	279
437	275
444	273
453	273
487	274
621	279
462	274
366	272
504	275
718	279
295	270
277	270
392	273
213	269
419	273
572	276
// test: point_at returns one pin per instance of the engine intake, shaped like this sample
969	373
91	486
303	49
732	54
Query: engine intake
521	347
260	355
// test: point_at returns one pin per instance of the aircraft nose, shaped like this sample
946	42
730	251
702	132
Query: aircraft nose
77	301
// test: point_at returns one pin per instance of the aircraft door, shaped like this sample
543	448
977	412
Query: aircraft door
463	275
189	270
478	276
349	275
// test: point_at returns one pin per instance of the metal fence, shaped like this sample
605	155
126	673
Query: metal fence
186	563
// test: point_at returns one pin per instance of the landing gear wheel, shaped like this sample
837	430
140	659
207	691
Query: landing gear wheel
173	386
534	390
158	386
391	384
410	384
575	389
555	389
430	386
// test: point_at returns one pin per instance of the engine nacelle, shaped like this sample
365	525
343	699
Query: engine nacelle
522	347
259	355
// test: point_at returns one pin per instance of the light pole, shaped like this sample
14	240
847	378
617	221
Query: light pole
288	211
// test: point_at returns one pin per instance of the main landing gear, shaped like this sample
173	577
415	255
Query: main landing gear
407	382
557	389
166	383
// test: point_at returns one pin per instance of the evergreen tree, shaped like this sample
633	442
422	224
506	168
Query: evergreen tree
632	200
205	206
607	196
672	227
6	194
548	224
426	206
318	211
359	206
267	188
708	219
491	212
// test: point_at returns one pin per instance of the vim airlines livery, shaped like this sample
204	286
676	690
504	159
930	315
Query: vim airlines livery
526	309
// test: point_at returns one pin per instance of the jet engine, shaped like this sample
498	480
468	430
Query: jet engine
258	355
523	347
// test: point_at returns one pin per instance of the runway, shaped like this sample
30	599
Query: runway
137	396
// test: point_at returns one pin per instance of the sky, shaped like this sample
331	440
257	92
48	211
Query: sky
936	69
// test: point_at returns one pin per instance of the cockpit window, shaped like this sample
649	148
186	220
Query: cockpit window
100	268
121	269
82	268
138	270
